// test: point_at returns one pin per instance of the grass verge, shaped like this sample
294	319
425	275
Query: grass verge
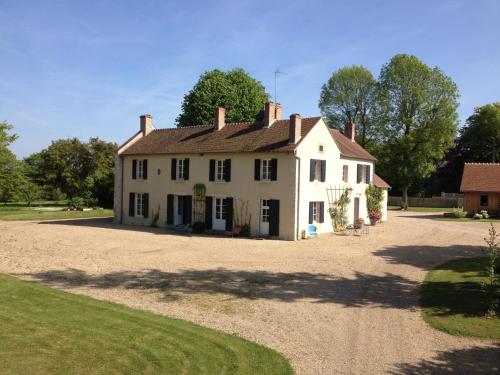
11	212
421	209
47	331
453	301
468	219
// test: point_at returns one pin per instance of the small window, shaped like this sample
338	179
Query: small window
483	201
220	209
345	173
321	148
140	169
139	204
180	169
266	170
219	170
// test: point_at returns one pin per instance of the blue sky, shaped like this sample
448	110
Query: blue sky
90	68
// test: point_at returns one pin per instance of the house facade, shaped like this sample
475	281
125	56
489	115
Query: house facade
275	175
481	187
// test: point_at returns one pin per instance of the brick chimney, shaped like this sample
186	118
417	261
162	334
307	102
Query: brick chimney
220	118
350	131
269	114
146	124
295	128
278	110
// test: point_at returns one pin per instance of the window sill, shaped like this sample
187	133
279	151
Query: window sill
265	181
180	180
219	182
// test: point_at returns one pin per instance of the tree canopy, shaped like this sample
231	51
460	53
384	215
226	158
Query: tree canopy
350	96
480	138
242	96
419	113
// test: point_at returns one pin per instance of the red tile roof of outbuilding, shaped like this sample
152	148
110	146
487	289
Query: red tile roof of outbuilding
484	177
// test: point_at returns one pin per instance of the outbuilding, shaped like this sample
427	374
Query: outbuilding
481	187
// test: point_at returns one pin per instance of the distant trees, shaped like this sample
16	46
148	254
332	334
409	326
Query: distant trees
68	168
241	95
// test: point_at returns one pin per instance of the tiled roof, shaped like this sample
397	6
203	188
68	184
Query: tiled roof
378	182
233	137
348	148
481	177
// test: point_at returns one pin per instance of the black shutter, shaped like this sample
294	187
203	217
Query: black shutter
186	169
274	169
211	171
311	218
170	209
321	212
368	174
227	170
173	170
131	204
312	170
360	173
323	170
187	208
145	169
145	204
274	217
208	212
134	169
229	213
257	170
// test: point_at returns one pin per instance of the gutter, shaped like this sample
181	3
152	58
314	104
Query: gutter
297	234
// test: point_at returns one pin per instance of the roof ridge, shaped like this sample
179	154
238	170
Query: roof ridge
480	163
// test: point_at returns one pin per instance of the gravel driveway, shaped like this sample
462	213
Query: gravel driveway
334	304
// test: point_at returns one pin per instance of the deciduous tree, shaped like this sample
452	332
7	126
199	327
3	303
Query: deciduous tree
241	95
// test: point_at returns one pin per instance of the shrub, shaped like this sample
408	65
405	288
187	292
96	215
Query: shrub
492	288
199	227
245	230
374	197
484	214
459	212
477	216
77	203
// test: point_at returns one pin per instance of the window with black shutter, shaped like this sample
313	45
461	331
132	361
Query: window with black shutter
227	170
323	170
345	173
170	209
312	169
256	174
368	174
274	169
145	205
317	170
208	212
186	170
131	204
187	208
173	169
316	212
359	174
145	169
228	203
134	169
211	170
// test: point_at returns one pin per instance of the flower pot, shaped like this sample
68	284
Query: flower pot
373	221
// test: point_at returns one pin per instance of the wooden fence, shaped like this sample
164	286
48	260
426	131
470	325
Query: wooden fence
428	202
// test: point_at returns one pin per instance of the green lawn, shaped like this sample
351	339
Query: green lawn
422	209
453	301
469	219
47	211
47	331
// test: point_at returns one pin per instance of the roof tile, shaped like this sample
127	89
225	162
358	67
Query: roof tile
481	177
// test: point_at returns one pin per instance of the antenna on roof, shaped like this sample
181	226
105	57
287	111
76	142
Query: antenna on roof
276	73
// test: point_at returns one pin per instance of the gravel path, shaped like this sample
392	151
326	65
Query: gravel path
335	304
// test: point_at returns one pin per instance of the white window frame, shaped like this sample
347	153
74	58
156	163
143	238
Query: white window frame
315	212
265	211
139	204
220	209
220	167
180	168
265	169
139	169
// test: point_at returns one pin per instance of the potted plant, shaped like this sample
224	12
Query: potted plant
374	216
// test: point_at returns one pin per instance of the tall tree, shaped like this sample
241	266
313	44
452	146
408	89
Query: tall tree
349	96
241	95
9	167
419	106
480	138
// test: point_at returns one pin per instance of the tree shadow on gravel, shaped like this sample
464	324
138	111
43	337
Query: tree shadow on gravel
427	257
473	361
387	291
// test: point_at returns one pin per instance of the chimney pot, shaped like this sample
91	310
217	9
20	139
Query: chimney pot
220	118
146	122
350	131
295	128
269	114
